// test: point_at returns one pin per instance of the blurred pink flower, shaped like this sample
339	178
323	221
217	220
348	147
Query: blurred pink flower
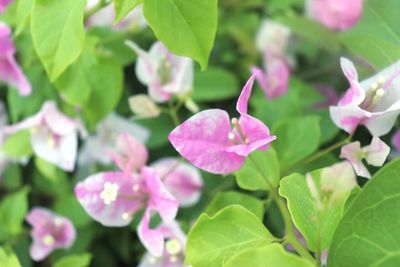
396	140
375	154
173	248
105	17
207	141
4	4
98	147
181	179
374	102
50	231
335	14
132	153
10	72
273	38
112	198
164	73
54	136
329	94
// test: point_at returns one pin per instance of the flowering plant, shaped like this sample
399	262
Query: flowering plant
199	133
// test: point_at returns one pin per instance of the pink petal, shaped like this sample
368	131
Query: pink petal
355	95
182	180
335	14
380	123
10	72
278	76
243	99
377	152
161	200
57	121
152	239
348	117
119	212
39	252
4	4
133	154
202	140
353	153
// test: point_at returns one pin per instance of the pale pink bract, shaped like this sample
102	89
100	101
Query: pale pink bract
50	231
207	141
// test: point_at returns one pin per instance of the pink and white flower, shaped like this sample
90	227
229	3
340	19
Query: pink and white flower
208	142
374	102
10	71
105	17
375	154
54	136
181	179
173	248
164	73
113	198
272	40
335	14
98	148
4	4
50	231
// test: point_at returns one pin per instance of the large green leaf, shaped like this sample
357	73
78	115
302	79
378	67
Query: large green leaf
297	139
316	217
369	233
214	84
18	145
224	199
376	37
187	28
58	33
8	258
272	255
124	7
214	240
250	177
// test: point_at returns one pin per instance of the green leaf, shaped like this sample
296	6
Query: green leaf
187	28
51	180
224	199
249	176
58	33
8	258
369	232
316	33
160	128
13	209
297	139
124	7
82	260
214	84
376	37
18	145
273	255
22	14
316	220
106	79
68	206
213	240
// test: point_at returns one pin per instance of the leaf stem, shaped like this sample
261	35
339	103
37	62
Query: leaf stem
281	203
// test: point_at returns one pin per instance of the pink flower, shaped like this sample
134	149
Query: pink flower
50	231
133	154
273	38
112	198
105	17
374	102
173	248
98	147
375	154
335	14
10	72
396	140
164	73
4	4
275	81
182	180
54	136
207	141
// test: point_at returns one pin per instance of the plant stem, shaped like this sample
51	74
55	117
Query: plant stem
94	9
174	114
290	230
320	154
